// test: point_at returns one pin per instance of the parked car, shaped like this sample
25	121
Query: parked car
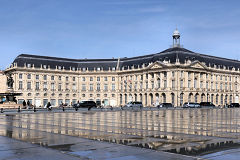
207	104
85	104
165	105
191	105
233	105
134	104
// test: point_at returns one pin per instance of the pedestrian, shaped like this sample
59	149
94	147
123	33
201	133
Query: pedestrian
49	106
28	104
24	104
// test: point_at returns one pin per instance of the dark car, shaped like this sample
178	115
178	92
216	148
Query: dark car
165	105
207	104
233	105
85	104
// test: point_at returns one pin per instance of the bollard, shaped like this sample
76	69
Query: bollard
34	109
19	109
76	109
1	110
63	109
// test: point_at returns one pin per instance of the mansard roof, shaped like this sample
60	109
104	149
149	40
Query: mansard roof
170	55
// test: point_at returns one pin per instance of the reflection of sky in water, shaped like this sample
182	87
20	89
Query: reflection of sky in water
168	130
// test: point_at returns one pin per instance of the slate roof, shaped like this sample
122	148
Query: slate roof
170	54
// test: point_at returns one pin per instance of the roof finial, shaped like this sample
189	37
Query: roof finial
176	38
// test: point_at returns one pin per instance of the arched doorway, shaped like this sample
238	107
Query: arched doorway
157	99
151	99
173	99
163	97
181	99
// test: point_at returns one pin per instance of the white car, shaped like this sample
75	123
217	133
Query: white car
191	105
134	104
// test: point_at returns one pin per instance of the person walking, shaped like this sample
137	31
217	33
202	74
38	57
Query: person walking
28	104
49	106
24	104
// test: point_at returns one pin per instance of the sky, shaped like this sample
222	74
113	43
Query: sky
116	28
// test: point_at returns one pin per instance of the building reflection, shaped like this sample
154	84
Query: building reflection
153	128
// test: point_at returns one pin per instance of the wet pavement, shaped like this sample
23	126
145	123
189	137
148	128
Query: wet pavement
205	133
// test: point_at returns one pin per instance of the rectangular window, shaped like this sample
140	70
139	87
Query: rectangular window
98	87
45	77
105	78
206	85
113	87
59	86
91	78
113	78
28	85
216	85
67	88
20	76
37	85
189	83
29	76
20	85
66	78
165	83
52	86
201	84
98	79
59	78
165	74
181	83
91	87
45	86
52	78
73	78
173	83
105	87
83	87
83	78
74	87
37	77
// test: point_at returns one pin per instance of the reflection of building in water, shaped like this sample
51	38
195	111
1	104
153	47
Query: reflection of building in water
175	75
125	126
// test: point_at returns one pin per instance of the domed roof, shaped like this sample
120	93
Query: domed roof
176	33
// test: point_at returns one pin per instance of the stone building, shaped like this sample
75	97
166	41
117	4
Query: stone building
175	75
3	82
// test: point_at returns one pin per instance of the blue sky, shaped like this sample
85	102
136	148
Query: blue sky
116	28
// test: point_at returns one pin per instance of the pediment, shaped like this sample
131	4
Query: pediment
156	65
198	65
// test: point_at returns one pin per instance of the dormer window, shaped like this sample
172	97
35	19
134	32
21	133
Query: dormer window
73	68
84	69
45	66
113	68
59	67
98	68
29	65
